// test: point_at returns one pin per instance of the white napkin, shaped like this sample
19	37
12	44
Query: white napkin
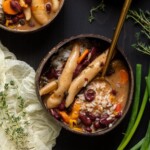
42	131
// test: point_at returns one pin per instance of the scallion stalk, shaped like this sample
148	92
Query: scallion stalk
136	101
148	83
142	108
138	145
146	142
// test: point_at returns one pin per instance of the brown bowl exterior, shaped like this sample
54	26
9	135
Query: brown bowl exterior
33	30
107	42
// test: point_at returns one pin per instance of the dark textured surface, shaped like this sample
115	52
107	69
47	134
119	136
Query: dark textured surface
73	20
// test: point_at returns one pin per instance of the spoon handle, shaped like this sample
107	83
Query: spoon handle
116	34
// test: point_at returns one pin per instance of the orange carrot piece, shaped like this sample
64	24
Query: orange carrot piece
83	55
7	8
77	129
124	76
75	111
118	107
76	107
64	116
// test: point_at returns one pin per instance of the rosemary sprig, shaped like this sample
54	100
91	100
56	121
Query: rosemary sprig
142	47
12	123
142	18
99	7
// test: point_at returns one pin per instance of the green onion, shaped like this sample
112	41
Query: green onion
146	142
128	138
138	145
136	98
136	101
148	83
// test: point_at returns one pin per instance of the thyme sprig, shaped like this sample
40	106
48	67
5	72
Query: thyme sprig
142	18
99	7
12	123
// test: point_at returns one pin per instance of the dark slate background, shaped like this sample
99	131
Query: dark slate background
73	20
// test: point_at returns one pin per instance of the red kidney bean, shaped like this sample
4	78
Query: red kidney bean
55	114
53	73
61	106
28	2
15	6
105	116
96	124
21	16
48	7
104	120
88	129
15	19
91	116
85	120
89	95
114	92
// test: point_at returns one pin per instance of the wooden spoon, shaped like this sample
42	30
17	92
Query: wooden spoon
116	34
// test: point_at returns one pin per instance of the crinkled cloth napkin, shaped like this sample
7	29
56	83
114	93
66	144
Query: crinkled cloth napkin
41	130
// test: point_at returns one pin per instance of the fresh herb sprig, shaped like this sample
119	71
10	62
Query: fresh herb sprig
99	7
12	123
142	18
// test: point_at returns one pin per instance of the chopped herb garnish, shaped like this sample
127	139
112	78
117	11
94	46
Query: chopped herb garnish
12	123
142	18
99	7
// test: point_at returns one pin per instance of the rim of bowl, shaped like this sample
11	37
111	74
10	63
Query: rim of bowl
35	29
54	50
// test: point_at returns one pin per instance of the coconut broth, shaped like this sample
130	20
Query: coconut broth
110	95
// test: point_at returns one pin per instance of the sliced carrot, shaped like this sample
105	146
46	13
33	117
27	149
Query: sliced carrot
77	129
72	123
75	111
118	107
124	76
76	107
7	8
64	116
83	55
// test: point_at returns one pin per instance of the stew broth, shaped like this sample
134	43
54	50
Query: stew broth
28	14
97	103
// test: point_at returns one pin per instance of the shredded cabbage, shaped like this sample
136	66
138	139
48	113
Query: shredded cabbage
42	131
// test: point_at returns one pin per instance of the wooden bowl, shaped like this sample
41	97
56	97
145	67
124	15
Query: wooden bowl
105	42
32	29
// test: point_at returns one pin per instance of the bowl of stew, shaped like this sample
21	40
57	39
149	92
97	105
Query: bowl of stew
28	15
70	87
